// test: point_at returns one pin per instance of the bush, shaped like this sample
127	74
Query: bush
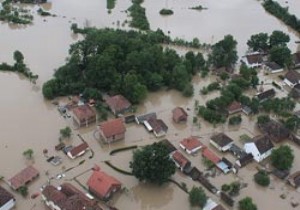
166	12
225	187
235	120
247	204
262	178
197	197
282	158
188	90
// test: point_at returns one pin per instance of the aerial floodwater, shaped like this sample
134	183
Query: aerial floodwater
28	121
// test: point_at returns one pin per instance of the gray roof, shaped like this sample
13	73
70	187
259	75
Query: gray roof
263	143
145	117
5	196
221	139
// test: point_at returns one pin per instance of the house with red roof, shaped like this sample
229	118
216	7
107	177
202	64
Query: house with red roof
67	197
234	107
112	130
179	115
118	104
7	200
191	145
208	154
180	160
23	177
103	185
78	150
84	115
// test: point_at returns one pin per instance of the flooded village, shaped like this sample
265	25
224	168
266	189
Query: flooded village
88	166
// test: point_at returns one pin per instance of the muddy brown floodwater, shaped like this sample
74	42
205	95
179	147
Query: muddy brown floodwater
28	121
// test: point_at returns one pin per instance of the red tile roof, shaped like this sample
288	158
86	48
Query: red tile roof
234	106
5	196
117	103
180	158
78	149
179	113
84	112
69	197
112	127
210	156
24	176
191	143
102	183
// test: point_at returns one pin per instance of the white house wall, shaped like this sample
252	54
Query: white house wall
9	205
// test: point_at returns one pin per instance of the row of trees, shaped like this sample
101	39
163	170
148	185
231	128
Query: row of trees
19	66
126	62
13	14
282	13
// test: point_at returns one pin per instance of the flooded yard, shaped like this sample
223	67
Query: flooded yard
29	121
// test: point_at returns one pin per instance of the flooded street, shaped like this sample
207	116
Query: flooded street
28	121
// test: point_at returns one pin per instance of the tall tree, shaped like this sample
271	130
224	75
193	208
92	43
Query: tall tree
247	204
152	163
279	38
259	42
224	53
281	55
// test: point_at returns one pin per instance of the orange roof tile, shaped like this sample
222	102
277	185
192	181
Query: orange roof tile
210	156
23	177
112	127
180	158
78	149
84	112
102	183
117	103
191	143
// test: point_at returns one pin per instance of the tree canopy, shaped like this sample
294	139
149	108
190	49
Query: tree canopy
281	55
282	158
247	204
262	178
197	197
152	164
123	62
224	53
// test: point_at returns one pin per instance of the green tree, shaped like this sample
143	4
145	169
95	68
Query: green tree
281	55
197	197
262	119
66	132
188	90
279	38
224	53
18	57
282	158
262	178
28	153
23	190
259	42
292	123
247	204
153	164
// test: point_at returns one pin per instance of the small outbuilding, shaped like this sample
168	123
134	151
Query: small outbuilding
234	107
272	67
179	115
78	150
118	104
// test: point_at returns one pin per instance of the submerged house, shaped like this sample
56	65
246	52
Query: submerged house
268	94
260	148
179	115
22	178
112	130
275	131
292	78
234	107
145	117
191	145
78	150
221	141
7	200
158	127
67	197
103	185
253	60
296	60
180	161
118	104
273	67
294	179
84	115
